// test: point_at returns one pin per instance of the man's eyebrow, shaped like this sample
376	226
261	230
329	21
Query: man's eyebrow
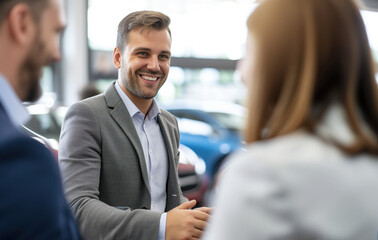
168	52
149	50
142	49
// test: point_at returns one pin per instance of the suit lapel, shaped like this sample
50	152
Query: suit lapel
167	138
121	116
1	108
173	192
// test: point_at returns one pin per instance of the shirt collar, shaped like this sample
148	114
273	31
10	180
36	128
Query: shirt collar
334	126
12	104
133	110
154	110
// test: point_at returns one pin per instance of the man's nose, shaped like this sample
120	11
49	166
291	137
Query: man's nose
56	56
153	64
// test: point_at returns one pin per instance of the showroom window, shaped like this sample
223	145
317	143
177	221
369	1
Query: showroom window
208	40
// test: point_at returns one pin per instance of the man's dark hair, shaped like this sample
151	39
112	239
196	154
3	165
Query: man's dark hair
141	20
89	90
36	6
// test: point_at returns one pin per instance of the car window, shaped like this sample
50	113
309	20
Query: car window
194	127
194	124
187	115
44	125
231	121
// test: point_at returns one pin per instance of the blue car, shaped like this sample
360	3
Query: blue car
211	129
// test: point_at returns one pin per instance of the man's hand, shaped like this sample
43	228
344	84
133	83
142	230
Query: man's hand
206	210
186	224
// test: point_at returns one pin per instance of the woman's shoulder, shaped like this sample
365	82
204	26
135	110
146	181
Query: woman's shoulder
299	150
297	146
298	175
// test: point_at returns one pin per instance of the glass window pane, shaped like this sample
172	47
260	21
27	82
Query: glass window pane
199	28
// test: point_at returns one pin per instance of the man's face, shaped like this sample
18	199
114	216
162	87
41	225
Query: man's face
145	63
44	50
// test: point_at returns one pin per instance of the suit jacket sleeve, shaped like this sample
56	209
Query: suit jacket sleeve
32	203
80	161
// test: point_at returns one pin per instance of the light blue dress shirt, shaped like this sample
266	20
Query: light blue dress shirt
155	153
12	104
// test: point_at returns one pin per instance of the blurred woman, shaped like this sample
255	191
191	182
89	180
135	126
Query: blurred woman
310	170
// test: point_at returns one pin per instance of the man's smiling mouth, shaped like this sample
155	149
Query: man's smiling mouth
149	78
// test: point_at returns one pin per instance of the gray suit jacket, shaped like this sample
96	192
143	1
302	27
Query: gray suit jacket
104	170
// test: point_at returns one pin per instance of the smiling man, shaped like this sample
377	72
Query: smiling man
144	65
119	151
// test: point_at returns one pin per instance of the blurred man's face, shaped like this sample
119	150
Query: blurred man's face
44	51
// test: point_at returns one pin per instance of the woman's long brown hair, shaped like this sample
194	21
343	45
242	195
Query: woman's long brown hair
309	54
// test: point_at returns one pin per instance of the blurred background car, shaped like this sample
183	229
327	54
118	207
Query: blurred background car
210	129
45	126
45	120
194	182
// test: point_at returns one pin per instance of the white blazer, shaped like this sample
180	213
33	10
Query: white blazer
298	186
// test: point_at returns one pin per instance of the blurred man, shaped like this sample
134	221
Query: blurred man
119	150
32	203
88	91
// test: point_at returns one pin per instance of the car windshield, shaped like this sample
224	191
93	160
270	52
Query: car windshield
194	127
231	121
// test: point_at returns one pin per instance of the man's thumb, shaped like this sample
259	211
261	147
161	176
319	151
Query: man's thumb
187	205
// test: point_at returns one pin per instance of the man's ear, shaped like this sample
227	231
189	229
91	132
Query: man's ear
22	25
117	58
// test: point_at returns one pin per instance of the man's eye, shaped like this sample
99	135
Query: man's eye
142	54
165	57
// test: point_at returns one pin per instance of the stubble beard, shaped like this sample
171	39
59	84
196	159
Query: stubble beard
31	71
130	81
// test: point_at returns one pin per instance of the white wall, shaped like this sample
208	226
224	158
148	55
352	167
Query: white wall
75	51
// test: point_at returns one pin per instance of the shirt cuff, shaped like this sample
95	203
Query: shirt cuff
162	225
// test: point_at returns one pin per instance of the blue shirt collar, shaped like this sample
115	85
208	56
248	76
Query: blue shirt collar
133	110
12	104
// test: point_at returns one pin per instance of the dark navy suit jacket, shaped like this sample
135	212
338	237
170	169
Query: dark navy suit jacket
32	203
